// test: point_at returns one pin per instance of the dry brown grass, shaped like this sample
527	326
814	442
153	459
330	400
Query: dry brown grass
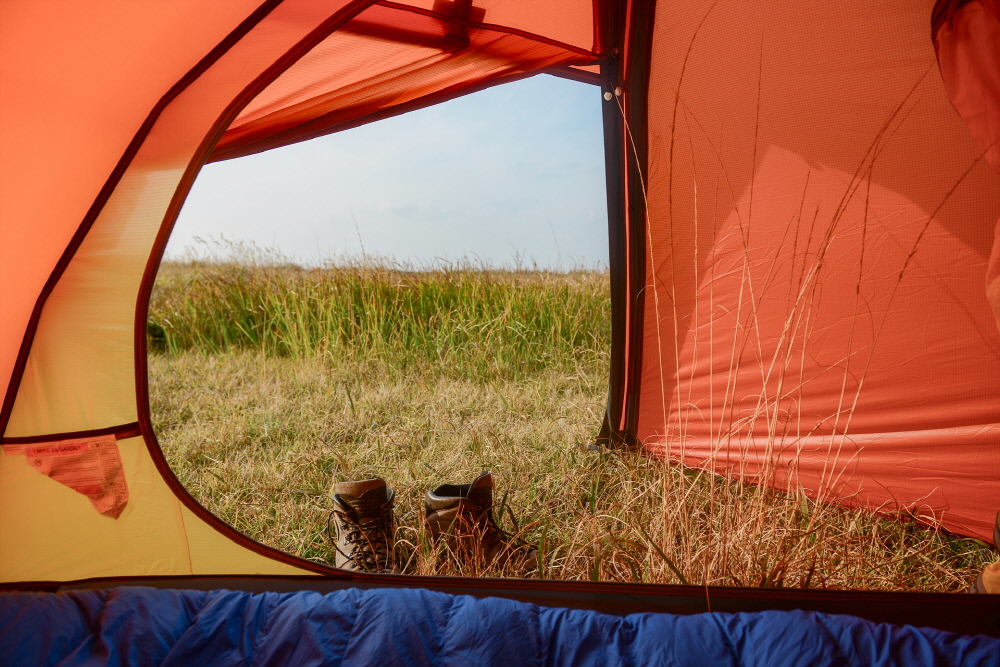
259	436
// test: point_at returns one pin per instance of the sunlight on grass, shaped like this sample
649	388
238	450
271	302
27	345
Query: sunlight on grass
272	381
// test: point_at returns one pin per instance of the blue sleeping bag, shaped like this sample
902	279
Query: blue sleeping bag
145	626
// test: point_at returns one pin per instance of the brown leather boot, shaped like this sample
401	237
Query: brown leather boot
988	580
462	515
363	519
996	532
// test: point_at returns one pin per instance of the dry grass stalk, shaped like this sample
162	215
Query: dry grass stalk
259	432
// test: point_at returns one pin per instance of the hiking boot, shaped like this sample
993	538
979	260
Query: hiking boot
996	532
988	580
362	516
462	515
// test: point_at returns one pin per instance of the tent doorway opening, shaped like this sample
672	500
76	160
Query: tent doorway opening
420	299
381	351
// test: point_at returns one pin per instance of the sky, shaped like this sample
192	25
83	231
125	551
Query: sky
512	174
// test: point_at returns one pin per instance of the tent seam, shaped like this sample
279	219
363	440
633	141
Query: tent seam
388	4
27	341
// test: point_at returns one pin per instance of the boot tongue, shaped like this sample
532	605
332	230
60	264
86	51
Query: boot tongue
366	492
481	490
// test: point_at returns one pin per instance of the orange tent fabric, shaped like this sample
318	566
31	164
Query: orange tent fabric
967	39
394	57
816	240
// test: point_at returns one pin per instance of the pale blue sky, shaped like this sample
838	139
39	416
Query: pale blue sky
512	171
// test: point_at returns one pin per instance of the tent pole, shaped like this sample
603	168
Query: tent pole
625	79
615	177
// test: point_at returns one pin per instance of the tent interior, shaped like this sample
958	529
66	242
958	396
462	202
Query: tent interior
801	221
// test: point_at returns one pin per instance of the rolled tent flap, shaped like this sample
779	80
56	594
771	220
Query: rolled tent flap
394	57
967	39
819	223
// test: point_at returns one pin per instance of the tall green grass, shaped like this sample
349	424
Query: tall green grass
458	321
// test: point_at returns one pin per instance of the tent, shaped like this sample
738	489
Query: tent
801	211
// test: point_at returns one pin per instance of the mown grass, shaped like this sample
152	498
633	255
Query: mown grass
272	381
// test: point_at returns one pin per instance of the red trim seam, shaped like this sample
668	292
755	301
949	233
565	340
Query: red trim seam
21	362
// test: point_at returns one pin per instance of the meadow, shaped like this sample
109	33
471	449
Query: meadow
269	382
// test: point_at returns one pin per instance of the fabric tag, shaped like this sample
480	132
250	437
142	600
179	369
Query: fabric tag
91	466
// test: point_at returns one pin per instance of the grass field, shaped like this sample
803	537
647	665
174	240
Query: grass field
269	382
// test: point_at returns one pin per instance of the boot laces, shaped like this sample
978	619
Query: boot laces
494	537
369	538
480	523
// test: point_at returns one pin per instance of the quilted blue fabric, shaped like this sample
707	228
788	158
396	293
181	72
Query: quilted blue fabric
144	626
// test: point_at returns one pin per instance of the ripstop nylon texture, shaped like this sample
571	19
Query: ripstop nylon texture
819	223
